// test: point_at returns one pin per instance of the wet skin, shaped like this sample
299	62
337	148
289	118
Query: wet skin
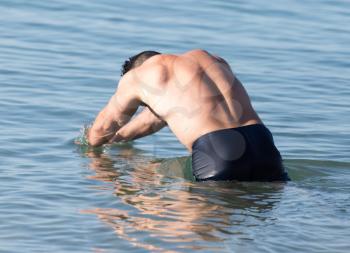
193	94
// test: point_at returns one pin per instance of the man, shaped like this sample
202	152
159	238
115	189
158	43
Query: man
206	107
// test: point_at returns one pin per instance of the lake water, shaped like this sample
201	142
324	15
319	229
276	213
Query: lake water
59	64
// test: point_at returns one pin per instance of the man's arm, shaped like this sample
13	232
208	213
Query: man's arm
116	113
145	123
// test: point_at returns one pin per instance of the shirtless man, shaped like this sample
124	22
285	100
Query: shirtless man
199	98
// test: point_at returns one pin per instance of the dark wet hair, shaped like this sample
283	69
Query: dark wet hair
137	60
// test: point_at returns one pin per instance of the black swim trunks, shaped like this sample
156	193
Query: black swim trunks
246	153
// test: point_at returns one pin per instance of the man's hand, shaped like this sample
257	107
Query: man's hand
116	113
145	123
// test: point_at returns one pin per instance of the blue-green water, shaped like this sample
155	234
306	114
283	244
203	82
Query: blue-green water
59	64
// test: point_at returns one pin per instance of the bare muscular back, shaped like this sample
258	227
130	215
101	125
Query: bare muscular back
195	93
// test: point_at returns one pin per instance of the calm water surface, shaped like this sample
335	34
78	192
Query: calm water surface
59	64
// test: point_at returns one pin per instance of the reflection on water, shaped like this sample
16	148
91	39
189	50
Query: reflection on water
157	209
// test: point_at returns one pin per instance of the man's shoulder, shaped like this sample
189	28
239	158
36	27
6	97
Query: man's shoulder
197	51
156	69
150	74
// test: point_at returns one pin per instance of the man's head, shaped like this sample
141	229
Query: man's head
137	60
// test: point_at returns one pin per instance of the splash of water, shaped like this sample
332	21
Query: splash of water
81	139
